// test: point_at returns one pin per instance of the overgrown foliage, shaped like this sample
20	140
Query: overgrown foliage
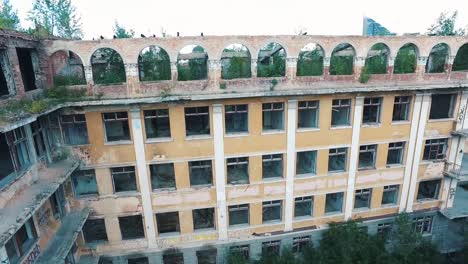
108	67
461	60
377	63
154	64
274	63
64	80
8	16
310	63
405	61
121	32
445	25
236	67
194	68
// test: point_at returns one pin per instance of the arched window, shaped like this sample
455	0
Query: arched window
406	59
235	62
342	60
108	67
377	59
310	61
461	60
192	63
154	64
67	68
437	60
271	61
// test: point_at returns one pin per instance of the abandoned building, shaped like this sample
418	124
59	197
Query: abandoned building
181	149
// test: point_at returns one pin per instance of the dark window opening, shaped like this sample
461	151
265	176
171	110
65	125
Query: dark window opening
21	242
308	114
395	153
157	123
272	166
371	110
337	160
442	106
3	82
273	116
306	162
168	222
300	243
334	203
131	227
271	248
84	182
58	203
162	176
6	163
192	63
272	211
173	256
341	109
94	230
207	256
124	179
401	107
362	198
238	214
428	190
235	62
384	229
437	60
200	172
367	156
238	170
74	129
435	149
203	218
108	67
197	121
342	60
67	68
390	195
154	64
303	206
38	136
271	61
310	61
236	119
27	68
139	260
460	63
116	126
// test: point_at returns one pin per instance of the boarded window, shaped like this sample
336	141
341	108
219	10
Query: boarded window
157	123
303	206
238	214
367	156
435	149
197	121
272	166
395	153
341	109
306	162
272	211
334	203
337	160
207	256
300	243
308	114
201	173
271	248
238	170
371	110
273	116
94	230
236	119
131	227
124	179
442	106
74	129
203	218
84	182
162	176
168	222
428	190
116	126
362	198
401	107
390	194
27	68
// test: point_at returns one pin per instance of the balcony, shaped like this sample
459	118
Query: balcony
457	171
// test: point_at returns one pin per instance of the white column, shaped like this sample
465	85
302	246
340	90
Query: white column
3	256
354	156
419	144
88	72
218	136
290	165
143	178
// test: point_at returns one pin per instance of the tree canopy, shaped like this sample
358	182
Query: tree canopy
445	25
121	32
8	16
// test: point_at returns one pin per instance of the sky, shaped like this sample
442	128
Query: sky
255	17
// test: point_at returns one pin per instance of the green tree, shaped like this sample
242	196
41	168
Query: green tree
445	25
122	32
8	17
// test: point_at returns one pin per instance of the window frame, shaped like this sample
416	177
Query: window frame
197	164
75	122
309	106
273	109
273	158
342	203
237	161
86	173
271	247
372	148
156	116
423	224
200	113
314	165
437	192
151	170
372	102
101	220
396	146
213	220
341	104
300	243
453	103
124	171
304	200
159	222
234	112
272	204
435	145
363	192
238	207
400	101
338	152
391	188
116	119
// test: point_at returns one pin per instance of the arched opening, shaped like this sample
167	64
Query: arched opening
461	59
192	63
437	60
406	59
235	62
377	59
108	67
67	68
310	61
271	61
342	60
154	64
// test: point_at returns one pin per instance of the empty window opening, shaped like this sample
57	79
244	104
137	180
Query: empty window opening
342	60
395	153
385	229
116	126
207	256
124	179
367	156
162	176
308	114
105	260
197	121
84	183
236	119
310	61
74	129
337	160
235	62
168	222
241	251
334	203
108	67
377	59
6	162
273	116
238	214
27	68
271	61
303	206
461	59
201	172
58	203
3	81
37	129
203	218
428	190
131	227
371	110
157	123
271	248
442	106
437	60
7	83
390	195
306	162
272	166
154	64
422	225
19	151
341	109
300	244
21	242
401	107
435	149
406	59
94	230
173	256
139	260
362	198
238	170
192	63
67	68
272	211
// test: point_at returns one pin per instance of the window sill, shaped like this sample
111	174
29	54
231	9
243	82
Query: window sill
403	122
204	230
307	129
159	140
303	218
305	176
238	227
240	134
121	195
272	222
336	213
371	125
78	145
360	210
387	206
340	127
200	187
237	184
366	169
273	132
337	172
426	200
273	179
450	119
164	190
88	197
120	142
427	162
198	137
170	234
393	166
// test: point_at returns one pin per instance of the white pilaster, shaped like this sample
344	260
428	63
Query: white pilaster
218	136
88	72
143	178
290	165
354	156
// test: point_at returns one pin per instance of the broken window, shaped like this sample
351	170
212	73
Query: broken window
242	251
124	179
300	244
272	166
435	149
308	114
428	190
334	203
154	64
303	206
131	227
238	214
310	61
271	61
362	198
442	106
173	256
395	153
460	62
58	203
201	172
116	126
94	230
27	68
235	62
39	139
271	247
337	160
342	60
273	116
21	242
157	123
108	67
192	63
74	129
405	60
168	222
207	256
401	107
384	229
306	162
390	194
341	109
162	176
371	110
84	183
19	150
437	60
272	211
238	170
197	121
203	218
236	119
423	224
67	68
6	163
367	156
138	260
377	59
